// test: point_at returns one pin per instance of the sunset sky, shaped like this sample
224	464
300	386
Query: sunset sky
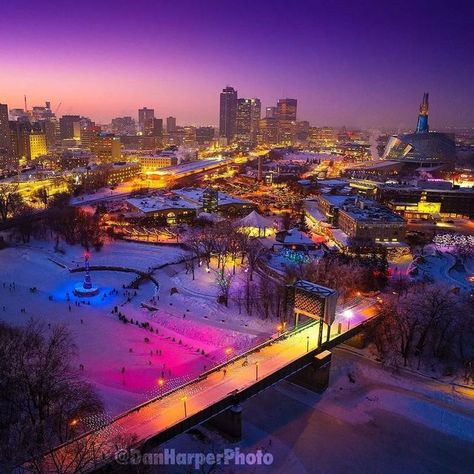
359	63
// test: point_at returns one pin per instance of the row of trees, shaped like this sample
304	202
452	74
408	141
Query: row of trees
74	225
344	273
12	203
426	326
266	295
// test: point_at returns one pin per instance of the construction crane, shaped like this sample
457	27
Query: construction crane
56	110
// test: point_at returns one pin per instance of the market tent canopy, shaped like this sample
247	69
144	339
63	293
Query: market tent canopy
256	224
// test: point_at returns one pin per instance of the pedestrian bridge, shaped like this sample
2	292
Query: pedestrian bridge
214	395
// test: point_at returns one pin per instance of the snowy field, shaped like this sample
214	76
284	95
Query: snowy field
191	331
442	267
369	421
133	255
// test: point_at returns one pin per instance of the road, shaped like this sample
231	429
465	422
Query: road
460	226
159	414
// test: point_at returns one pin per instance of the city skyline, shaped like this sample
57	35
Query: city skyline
368	75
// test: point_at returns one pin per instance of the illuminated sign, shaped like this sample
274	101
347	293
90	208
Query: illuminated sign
429	207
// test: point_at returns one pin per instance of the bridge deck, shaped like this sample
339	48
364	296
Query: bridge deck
165	417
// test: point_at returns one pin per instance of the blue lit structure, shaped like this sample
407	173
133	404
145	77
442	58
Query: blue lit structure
422	125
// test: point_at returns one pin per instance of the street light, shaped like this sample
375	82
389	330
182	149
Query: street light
161	382
256	370
348	315
184	403
228	352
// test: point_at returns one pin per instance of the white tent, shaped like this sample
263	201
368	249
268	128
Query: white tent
256	225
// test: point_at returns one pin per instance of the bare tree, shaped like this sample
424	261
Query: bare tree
40	395
10	200
224	281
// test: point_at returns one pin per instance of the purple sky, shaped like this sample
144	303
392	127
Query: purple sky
359	63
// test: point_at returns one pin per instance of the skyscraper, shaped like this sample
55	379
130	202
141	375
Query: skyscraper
270	112
286	118
144	114
228	113
106	147
247	121
157	128
5	145
268	133
37	145
69	126
170	124
422	125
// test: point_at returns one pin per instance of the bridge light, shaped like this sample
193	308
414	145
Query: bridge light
348	313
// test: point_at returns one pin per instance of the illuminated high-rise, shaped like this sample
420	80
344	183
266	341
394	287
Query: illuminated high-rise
286	118
106	147
271	112
5	145
144	115
37	145
247	121
228	113
268	133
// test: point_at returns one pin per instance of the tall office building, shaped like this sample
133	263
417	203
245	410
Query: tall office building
49	129
204	135
5	145
171	124
123	125
247	121
302	130
228	113
106	147
28	140
37	145
69	127
270	112
268	133
286	118
144	114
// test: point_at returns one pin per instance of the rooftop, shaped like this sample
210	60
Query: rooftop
195	195
363	209
161	203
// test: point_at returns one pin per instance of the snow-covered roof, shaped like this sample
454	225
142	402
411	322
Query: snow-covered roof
210	217
254	219
161	203
195	195
295	237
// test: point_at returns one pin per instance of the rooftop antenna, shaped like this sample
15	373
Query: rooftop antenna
26	109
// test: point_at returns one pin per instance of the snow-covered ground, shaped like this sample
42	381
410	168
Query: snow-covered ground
124	361
370	420
440	267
